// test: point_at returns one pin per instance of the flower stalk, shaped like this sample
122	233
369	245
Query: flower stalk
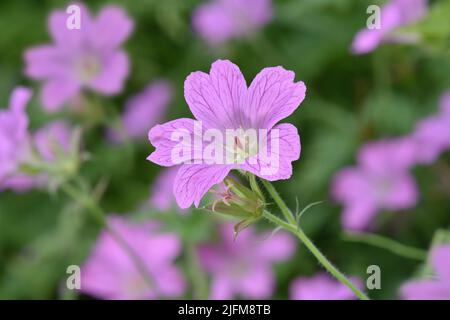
291	226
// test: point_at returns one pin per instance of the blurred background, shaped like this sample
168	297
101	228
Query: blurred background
351	100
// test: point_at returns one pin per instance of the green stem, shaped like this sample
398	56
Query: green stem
294	228
388	244
316	252
199	282
99	216
279	201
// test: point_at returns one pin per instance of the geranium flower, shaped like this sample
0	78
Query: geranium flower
85	58
322	287
221	101
220	20
110	273
14	138
243	266
436	288
380	181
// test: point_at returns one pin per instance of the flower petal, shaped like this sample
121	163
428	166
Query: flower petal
164	138
217	98
45	61
425	290
111	28
275	163
115	68
193	181
273	95
441	262
56	92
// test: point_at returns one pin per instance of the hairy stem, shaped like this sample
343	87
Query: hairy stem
279	201
292	227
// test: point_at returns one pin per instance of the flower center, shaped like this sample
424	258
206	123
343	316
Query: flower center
87	67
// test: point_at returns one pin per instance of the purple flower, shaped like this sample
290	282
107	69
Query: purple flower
243	266
110	273
14	137
394	14
48	144
220	20
144	110
432	134
437	288
380	181
222	102
89	57
322	287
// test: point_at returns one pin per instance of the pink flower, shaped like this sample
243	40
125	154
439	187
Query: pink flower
13	131
380	181
221	101
432	134
109	272
89	57
243	266
394	14
220	20
437	288
50	143
144	110
322	287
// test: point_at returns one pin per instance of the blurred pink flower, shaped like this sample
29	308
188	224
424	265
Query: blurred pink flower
109	273
432	134
394	14
144	110
220	20
48	143
322	287
380	181
14	139
90	57
437	288
244	266
221	100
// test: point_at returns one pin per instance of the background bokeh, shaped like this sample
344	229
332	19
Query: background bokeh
350	100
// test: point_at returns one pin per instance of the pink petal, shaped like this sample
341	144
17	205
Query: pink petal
163	138
221	288
45	61
441	262
273	95
425	290
258	283
111	28
279	247
193	181
56	92
69	39
275	164
217	98
358	215
115	68
20	98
